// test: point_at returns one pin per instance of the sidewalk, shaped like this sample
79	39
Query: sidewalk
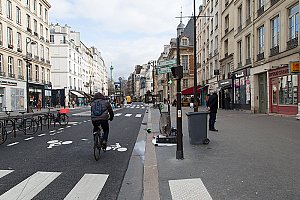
252	156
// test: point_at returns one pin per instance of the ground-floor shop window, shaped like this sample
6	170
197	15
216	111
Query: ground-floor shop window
288	89
17	99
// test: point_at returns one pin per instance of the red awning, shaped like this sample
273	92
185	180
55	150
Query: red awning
190	91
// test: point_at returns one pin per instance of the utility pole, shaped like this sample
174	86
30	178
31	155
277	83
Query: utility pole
195	63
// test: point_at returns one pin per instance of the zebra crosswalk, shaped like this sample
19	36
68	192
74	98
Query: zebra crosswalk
88	113
88	187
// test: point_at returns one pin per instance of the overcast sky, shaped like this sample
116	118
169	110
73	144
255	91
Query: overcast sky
126	32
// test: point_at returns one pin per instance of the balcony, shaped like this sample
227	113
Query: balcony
42	38
48	61
260	11
36	34
36	58
240	28
248	21
240	64
29	55
10	46
216	51
226	30
273	2
42	60
216	27
11	75
36	79
30	78
29	30
226	55
274	51
2	73
47	40
19	49
260	56
43	81
226	3
20	77
248	61
292	43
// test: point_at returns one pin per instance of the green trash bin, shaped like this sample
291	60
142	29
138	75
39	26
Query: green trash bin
197	127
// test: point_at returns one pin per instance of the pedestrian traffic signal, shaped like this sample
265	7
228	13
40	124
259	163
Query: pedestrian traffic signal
177	72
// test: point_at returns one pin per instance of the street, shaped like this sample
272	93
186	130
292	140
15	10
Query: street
59	163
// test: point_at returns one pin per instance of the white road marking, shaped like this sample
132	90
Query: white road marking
5	172
84	121
138	115
41	134
128	115
86	113
52	131
142	107
84	139
30	138
61	129
12	144
118	114
68	126
31	186
73	122
89	187
192	189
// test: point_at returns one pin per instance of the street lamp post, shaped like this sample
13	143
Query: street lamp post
120	80
27	59
195	63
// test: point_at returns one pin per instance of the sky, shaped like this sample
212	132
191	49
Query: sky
126	32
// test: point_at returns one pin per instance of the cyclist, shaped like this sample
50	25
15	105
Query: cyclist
101	112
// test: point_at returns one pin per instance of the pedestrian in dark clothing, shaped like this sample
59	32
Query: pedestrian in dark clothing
212	107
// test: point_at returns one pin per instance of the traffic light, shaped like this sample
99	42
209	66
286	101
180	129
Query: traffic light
177	72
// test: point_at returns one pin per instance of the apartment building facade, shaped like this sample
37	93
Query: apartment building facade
24	49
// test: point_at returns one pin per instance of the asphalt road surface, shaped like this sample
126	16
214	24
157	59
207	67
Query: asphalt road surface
59	164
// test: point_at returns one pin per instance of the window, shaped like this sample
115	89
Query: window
185	62
17	99
293	21
34	6
1	34
248	9
216	42
46	30
28	22
261	3
47	53
226	46
36	72
46	15
42	51
8	9
248	47
41	30
35	26
28	3
275	31
239	46
216	20
48	75
227	22
43	74
1	63
51	38
29	72
185	83
9	36
240	15
211	26
18	15
184	42
10	66
20	67
19	40
261	39
41	11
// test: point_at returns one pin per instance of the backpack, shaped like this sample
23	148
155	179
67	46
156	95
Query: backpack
97	108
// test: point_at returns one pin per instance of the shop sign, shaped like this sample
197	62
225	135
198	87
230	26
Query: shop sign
294	67
8	83
278	72
225	83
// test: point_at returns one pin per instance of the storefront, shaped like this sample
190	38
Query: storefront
242	92
47	100
12	95
36	95
225	94
283	90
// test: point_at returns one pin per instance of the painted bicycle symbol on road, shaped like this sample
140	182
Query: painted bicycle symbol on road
54	143
117	147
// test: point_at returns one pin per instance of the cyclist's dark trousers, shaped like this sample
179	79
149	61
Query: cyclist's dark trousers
104	126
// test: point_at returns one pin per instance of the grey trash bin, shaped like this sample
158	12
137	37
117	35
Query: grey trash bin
197	127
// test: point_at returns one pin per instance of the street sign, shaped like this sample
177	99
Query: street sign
164	67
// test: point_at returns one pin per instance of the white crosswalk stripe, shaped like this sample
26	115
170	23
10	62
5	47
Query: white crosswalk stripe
118	114
89	187
5	172
192	189
138	115
128	115
31	186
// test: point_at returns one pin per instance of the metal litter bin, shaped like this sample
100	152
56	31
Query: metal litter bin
197	127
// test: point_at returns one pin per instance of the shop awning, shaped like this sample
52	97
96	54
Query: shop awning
190	91
77	94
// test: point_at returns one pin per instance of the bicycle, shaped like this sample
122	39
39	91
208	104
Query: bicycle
29	125
62	118
3	133
98	143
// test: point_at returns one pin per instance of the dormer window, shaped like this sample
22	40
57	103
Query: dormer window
184	41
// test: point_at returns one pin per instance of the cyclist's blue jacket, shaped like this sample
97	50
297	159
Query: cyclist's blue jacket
107	112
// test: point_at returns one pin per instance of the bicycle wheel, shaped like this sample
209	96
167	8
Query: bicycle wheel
97	146
30	126
63	120
3	136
